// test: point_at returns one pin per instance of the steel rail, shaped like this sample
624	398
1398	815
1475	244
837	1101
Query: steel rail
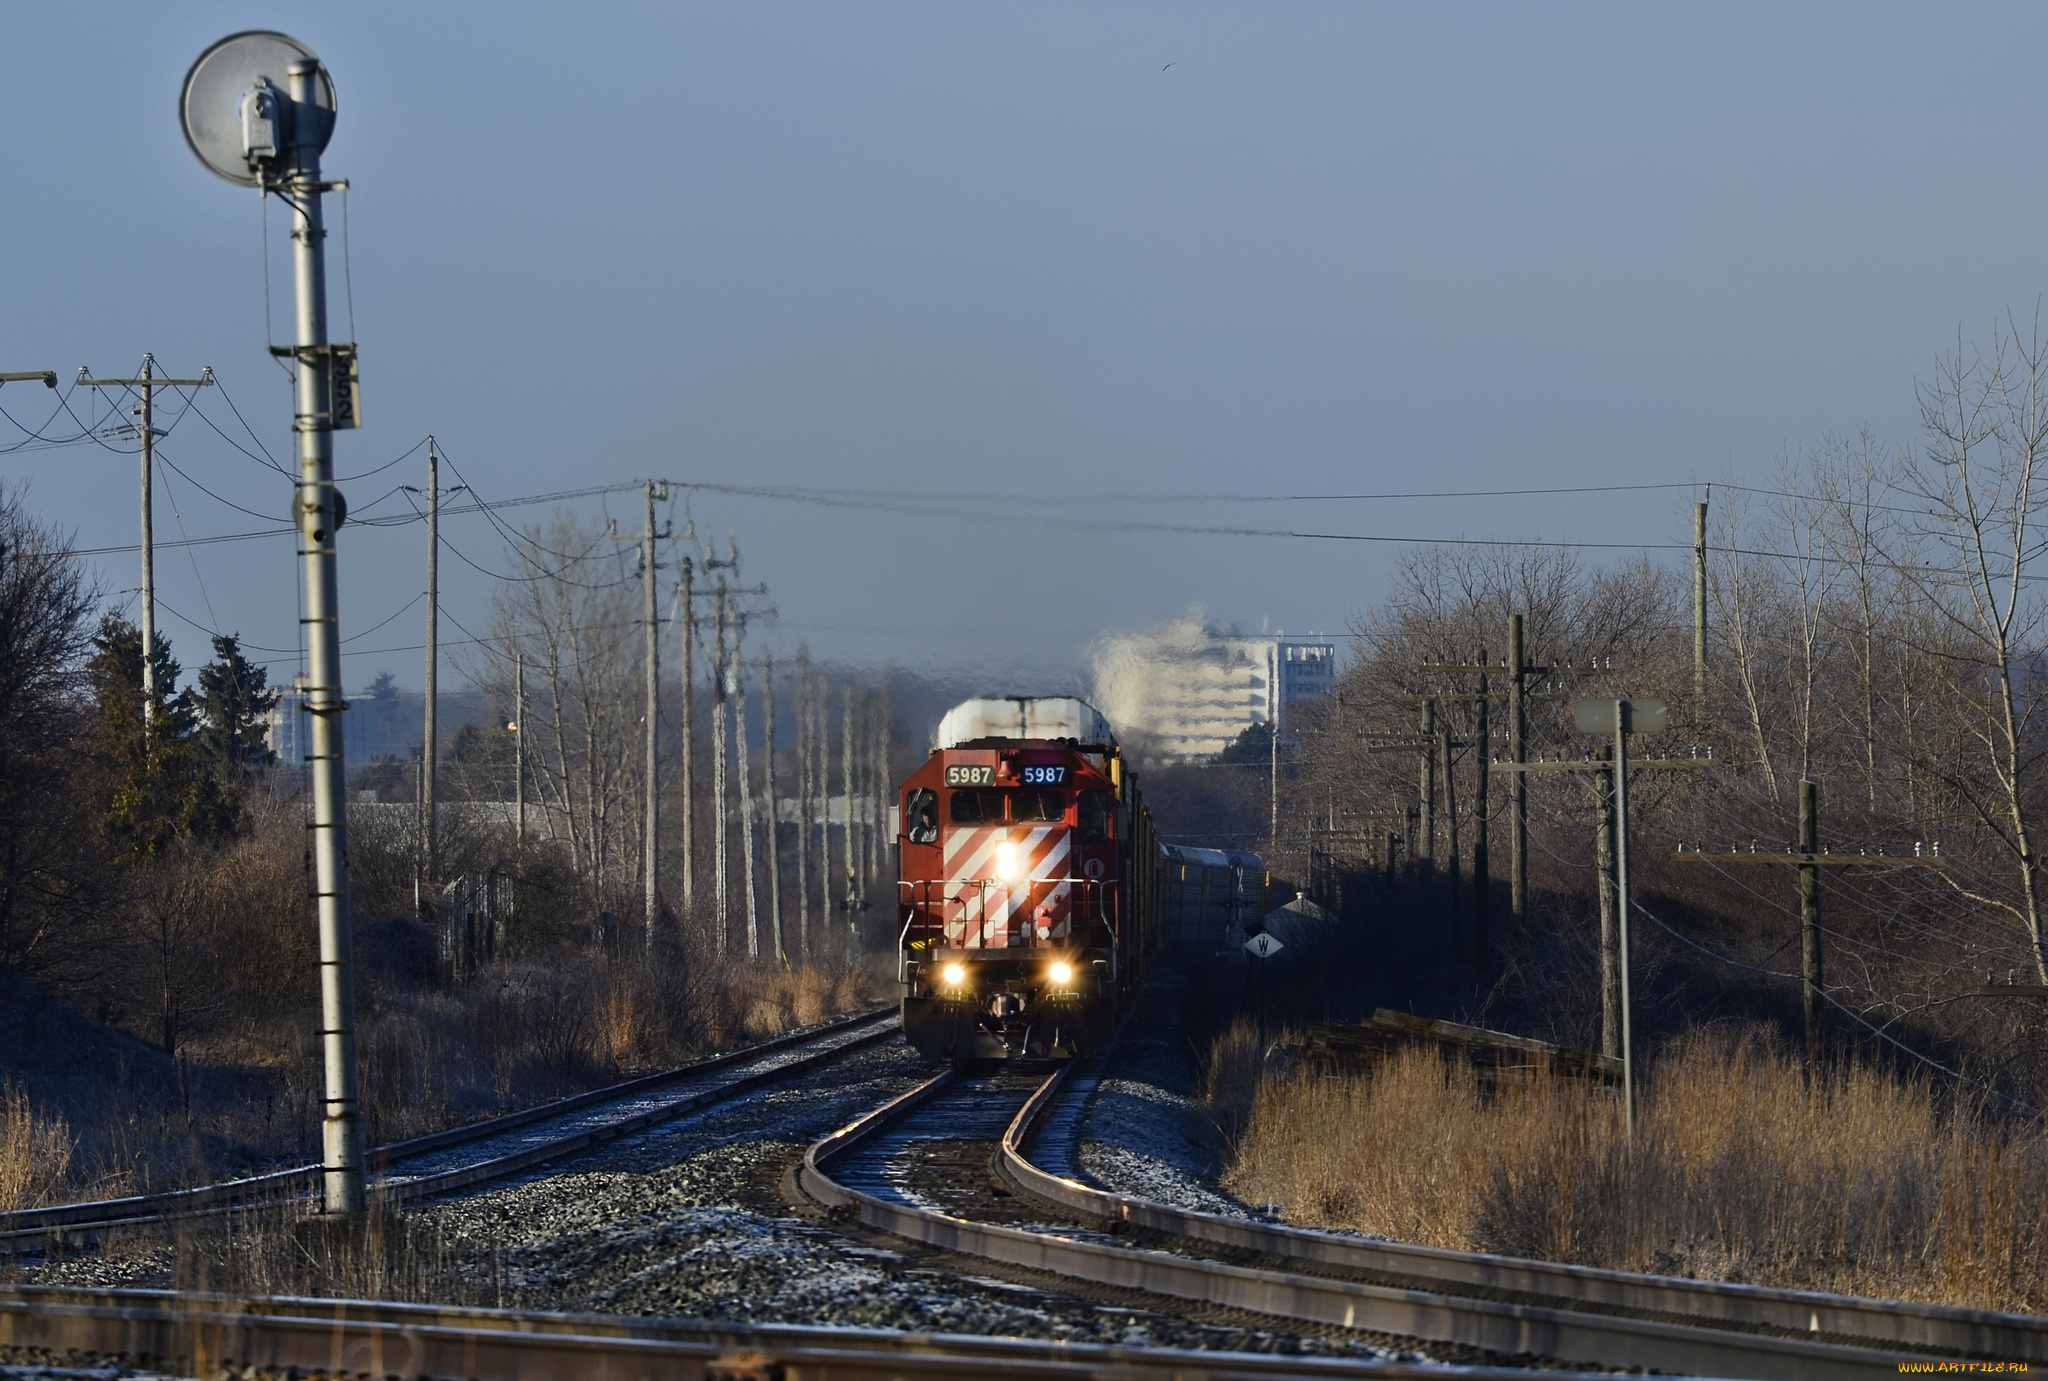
1503	1328
35	1224
1948	1329
211	1334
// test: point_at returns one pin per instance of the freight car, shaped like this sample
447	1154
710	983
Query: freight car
1028	901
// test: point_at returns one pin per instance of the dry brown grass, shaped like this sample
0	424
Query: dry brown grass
35	1151
1868	1185
386	1254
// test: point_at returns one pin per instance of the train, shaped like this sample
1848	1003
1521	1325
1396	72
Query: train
1030	883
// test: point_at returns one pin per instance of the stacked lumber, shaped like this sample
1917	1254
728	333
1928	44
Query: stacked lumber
1498	1052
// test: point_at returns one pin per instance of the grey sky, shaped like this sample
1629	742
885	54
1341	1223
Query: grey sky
1009	250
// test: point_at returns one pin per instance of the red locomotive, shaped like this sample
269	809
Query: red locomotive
1029	897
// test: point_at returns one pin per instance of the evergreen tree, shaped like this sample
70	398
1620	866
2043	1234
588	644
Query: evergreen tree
233	705
1255	744
155	791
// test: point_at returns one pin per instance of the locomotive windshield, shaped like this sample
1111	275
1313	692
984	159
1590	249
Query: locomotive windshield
977	807
1038	805
924	816
986	807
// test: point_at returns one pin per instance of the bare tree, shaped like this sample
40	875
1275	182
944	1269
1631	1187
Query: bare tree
1985	418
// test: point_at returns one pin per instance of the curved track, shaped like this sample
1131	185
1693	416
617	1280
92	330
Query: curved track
463	1157
904	1169
218	1335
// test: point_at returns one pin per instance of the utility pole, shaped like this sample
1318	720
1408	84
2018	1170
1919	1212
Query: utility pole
805	787
1621	717
650	850
774	811
258	136
1518	784
1273	744
519	748
1451	824
430	750
1425	831
1623	713
1809	923
881	789
1482	876
1610	922
147	384
651	845
846	756
739	664
689	735
1699	609
1811	858
718	793
429	757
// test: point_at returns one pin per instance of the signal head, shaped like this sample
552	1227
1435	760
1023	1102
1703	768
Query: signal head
237	109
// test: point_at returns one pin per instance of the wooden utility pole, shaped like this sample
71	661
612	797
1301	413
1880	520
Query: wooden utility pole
805	788
1809	921
1610	917
430	749
651	851
1810	858
650	859
1699	610
1451	824
1613	768
1482	874
1518	670
718	794
774	810
1425	832
430	757
1518	784
746	792
689	594
1273	745
846	759
519	748
147	384
880	789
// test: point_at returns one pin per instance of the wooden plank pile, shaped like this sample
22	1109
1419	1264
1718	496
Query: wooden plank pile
1495	1052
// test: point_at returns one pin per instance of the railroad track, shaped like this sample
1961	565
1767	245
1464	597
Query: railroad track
939	1163
210	1335
463	1157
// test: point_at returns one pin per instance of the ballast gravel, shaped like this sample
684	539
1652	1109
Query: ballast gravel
1143	1132
684	1221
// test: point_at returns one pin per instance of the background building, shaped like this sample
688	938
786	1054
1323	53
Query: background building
1186	688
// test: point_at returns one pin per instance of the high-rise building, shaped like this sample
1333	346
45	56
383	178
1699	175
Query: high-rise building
1187	688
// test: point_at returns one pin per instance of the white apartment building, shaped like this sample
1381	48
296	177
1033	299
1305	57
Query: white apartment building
1187	687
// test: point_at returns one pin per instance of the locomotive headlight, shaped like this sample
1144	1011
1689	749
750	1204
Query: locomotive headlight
1061	974
954	974
1007	866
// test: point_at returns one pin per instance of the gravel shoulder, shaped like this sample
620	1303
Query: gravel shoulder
1143	1131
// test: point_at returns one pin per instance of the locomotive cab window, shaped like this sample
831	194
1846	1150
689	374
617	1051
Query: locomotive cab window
977	807
1038	805
924	816
1094	817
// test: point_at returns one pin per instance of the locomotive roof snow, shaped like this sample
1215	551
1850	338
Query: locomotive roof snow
1022	716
